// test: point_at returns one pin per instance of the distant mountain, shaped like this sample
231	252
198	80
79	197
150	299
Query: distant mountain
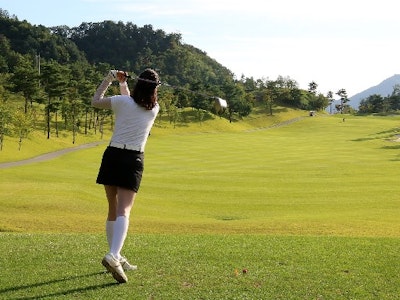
384	89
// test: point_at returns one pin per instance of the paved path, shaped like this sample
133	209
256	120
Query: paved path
48	156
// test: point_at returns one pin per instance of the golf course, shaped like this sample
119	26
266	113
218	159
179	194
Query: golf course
296	208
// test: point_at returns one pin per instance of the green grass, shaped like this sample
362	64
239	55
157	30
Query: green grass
66	266
311	209
37	143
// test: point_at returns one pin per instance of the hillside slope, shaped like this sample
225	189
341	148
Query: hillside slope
37	143
384	89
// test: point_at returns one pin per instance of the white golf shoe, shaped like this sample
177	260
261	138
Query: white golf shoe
126	265
113	265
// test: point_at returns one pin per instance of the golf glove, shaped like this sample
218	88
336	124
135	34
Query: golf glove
112	75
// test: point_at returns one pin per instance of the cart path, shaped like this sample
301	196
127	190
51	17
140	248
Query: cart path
47	156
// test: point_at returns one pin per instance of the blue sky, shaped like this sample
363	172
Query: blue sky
338	44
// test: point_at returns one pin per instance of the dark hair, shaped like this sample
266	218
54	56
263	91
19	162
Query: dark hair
145	90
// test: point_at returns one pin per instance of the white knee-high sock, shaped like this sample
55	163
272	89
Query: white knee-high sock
109	232
120	231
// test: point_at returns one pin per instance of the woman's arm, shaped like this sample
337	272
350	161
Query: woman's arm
123	87
99	101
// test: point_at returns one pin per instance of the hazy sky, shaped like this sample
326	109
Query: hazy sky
338	44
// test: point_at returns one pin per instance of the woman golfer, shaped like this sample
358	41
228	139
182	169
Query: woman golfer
122	163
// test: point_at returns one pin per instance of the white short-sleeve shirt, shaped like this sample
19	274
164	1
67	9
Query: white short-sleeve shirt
132	122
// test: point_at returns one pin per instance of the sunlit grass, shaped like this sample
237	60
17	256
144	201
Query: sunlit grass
318	176
310	209
37	142
67	266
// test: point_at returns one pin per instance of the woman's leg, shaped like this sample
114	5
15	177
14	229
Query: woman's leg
120	201
111	193
125	200
110	261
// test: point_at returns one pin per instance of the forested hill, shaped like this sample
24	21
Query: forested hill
131	48
72	61
21	38
121	45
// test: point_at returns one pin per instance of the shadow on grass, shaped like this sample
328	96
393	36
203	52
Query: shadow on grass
389	131
61	293
389	134
395	147
365	139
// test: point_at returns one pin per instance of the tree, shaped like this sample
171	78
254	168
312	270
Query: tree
25	79
5	121
22	125
343	99
395	98
371	104
314	101
237	102
200	98
54	78
318	102
312	87
285	91
265	96
273	94
167	104
6	54
27	39
329	96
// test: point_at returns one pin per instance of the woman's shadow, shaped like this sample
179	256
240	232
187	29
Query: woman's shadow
10	290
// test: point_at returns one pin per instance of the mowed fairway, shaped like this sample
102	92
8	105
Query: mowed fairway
318	176
311	208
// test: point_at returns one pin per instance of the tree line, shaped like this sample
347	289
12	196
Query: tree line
55	71
379	104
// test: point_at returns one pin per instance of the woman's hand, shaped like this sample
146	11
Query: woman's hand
122	76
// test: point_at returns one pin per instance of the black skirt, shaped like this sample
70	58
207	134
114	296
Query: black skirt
122	168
